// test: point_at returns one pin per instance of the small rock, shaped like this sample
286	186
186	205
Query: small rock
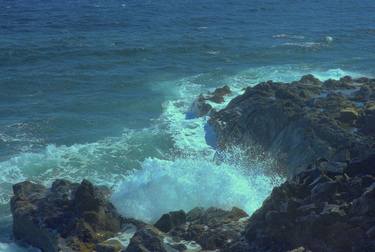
310	79
148	239
218	95
171	220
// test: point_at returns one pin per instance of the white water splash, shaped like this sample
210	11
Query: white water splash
161	186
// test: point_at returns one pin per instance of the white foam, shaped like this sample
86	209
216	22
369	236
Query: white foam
109	160
161	186
287	36
305	44
103	162
125	236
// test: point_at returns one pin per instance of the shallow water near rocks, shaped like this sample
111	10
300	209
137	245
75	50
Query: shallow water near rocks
101	90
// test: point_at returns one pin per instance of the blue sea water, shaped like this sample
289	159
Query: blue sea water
101	89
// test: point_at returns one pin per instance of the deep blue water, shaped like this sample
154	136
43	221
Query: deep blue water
93	88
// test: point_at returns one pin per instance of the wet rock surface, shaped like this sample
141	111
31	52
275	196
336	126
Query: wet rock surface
198	230
302	121
78	217
317	210
201	105
66	217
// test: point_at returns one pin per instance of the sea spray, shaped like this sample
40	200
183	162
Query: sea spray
161	186
109	160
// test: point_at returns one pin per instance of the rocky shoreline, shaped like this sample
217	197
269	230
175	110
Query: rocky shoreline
322	135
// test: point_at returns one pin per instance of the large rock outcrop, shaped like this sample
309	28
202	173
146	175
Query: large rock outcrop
66	217
300	122
317	210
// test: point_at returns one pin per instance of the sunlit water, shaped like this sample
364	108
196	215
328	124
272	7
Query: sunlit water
101	90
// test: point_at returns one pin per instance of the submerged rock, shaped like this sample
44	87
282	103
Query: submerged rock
298	123
66	217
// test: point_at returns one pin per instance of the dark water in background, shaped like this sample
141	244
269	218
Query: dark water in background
93	88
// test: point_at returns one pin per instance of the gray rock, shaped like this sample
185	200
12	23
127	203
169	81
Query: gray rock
300	122
148	239
333	213
171	220
67	217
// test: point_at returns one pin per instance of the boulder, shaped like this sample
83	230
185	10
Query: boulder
200	228
201	106
218	95
67	217
171	220
147	239
211	228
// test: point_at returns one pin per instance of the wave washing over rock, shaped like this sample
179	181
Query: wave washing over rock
161	186
327	194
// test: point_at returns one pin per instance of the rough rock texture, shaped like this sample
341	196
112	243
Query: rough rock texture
171	220
317	210
199	229
201	106
67	217
302	121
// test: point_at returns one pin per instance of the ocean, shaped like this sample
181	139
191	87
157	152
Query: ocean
103	90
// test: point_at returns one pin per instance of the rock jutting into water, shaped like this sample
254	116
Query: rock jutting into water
321	133
318	210
201	106
303	121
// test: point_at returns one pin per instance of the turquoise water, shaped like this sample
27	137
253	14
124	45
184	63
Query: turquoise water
96	89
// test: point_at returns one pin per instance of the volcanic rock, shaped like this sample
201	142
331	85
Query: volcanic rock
299	122
316	211
66	217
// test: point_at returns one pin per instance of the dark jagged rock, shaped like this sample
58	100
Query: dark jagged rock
318	210
77	217
211	228
302	121
218	95
148	239
67	217
200	228
201	107
171	220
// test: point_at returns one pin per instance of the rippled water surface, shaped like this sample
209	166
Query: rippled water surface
95	89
